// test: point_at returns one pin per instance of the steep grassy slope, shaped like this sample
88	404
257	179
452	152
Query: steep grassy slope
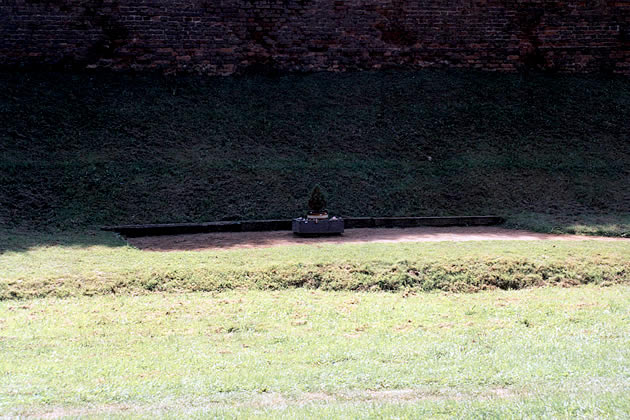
545	151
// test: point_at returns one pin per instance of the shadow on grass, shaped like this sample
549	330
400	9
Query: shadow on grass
617	225
18	240
83	150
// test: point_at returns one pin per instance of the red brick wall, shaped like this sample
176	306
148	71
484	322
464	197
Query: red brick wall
227	36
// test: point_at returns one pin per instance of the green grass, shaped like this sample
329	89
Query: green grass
542	352
547	152
90	326
72	265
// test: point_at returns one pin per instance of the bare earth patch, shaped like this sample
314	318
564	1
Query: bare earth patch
273	400
235	240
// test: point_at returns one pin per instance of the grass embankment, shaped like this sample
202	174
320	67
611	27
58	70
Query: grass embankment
547	152
69	268
300	353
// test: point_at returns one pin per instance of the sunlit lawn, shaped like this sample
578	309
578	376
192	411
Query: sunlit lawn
555	352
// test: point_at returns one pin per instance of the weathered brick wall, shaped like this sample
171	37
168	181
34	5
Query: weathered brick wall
227	36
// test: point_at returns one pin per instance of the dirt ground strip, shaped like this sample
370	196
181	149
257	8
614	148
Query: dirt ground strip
271	400
235	240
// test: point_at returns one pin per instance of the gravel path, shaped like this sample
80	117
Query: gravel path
235	240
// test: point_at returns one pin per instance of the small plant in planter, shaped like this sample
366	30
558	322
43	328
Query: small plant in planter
317	205
316	222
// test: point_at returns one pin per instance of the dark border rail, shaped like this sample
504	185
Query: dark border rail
133	231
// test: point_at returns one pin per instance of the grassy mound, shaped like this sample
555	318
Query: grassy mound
67	269
446	275
548	152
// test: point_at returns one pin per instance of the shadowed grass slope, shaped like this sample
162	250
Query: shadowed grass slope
548	152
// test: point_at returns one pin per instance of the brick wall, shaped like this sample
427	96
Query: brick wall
228	36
